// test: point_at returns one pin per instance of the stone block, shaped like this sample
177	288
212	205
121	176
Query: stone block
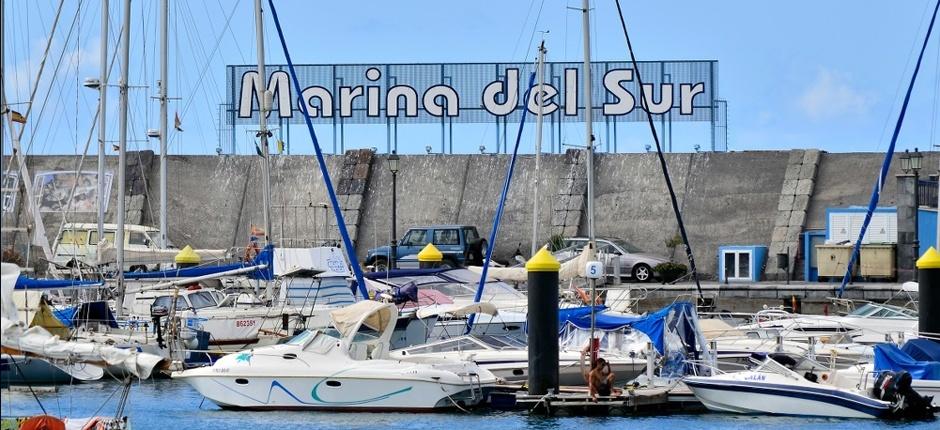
808	171
783	218
779	235
347	171
342	187
800	203
575	203
365	156
353	201
811	157
789	186
578	188
135	203
560	202
351	157
797	218
793	233
564	185
796	157
134	217
774	249
572	218
793	172
361	171
570	231
351	217
785	203
804	187
356	186
558	218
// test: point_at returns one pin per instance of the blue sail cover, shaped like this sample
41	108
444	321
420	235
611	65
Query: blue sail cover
266	256
24	283
678	317
890	357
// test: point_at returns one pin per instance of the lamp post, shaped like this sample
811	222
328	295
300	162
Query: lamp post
393	167
911	162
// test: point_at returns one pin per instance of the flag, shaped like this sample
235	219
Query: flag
258	150
177	124
116	147
280	146
17	117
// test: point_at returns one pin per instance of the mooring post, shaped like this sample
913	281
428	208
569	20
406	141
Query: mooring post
430	257
928	292
542	271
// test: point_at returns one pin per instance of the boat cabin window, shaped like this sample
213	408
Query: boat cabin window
202	299
93	237
138	238
74	237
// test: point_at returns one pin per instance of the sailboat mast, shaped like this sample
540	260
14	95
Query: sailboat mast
122	155
589	138
102	110
164	11
262	124
540	71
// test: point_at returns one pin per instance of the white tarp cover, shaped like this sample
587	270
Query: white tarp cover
573	268
107	254
38	341
457	311
375	315
318	259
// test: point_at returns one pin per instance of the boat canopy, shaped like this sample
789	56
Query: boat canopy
457	311
375	315
264	257
889	357
26	283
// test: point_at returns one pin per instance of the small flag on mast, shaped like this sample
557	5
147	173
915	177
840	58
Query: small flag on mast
17	117
177	124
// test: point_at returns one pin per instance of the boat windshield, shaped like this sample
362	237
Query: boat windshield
872	310
503	342
458	344
202	299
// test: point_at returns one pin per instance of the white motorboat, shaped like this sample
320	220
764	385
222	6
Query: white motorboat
772	388
925	375
347	368
870	323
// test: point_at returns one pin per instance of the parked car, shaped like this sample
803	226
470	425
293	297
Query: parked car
79	243
460	244
634	263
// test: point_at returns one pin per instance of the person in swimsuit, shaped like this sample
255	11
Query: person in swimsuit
600	378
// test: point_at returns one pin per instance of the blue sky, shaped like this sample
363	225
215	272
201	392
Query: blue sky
798	74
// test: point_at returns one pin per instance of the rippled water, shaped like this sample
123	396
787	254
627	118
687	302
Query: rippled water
166	404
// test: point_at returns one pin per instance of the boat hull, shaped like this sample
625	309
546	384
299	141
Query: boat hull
745	397
335	393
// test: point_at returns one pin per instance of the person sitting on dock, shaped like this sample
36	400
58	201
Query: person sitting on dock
600	378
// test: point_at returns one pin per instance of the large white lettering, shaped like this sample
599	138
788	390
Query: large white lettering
278	85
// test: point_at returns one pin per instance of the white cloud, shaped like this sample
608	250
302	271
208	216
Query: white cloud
831	95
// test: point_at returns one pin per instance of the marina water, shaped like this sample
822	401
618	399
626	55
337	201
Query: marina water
164	404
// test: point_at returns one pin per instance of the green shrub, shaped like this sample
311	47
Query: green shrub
669	272
556	242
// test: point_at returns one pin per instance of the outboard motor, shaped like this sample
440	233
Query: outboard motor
157	312
895	387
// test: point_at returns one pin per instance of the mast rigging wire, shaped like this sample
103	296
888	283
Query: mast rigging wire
662	159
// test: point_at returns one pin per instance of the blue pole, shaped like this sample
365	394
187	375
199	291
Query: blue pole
502	200
876	192
340	221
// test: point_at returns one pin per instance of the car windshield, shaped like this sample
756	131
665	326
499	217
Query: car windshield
626	246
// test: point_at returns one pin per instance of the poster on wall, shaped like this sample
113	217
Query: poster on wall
53	189
8	196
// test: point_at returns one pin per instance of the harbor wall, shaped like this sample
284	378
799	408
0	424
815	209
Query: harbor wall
733	198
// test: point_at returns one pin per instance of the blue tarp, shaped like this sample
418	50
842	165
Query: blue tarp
922	349
889	357
24	283
266	256
653	325
65	315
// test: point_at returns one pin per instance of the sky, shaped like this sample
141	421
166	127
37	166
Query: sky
797	74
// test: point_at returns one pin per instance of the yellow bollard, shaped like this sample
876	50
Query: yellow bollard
430	257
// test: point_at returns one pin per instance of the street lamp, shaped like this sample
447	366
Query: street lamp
911	162
393	167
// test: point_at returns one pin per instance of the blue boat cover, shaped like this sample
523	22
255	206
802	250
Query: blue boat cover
922	349
678	317
94	312
65	315
889	357
24	283
266	256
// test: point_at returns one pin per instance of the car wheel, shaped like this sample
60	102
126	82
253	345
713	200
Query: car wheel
642	273
380	264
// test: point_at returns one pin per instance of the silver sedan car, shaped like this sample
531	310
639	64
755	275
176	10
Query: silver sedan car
633	263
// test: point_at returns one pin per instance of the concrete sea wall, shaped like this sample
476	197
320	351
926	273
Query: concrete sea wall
737	198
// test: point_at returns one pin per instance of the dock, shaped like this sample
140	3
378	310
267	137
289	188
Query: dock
574	401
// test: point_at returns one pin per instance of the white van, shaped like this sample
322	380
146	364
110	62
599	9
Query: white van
79	242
